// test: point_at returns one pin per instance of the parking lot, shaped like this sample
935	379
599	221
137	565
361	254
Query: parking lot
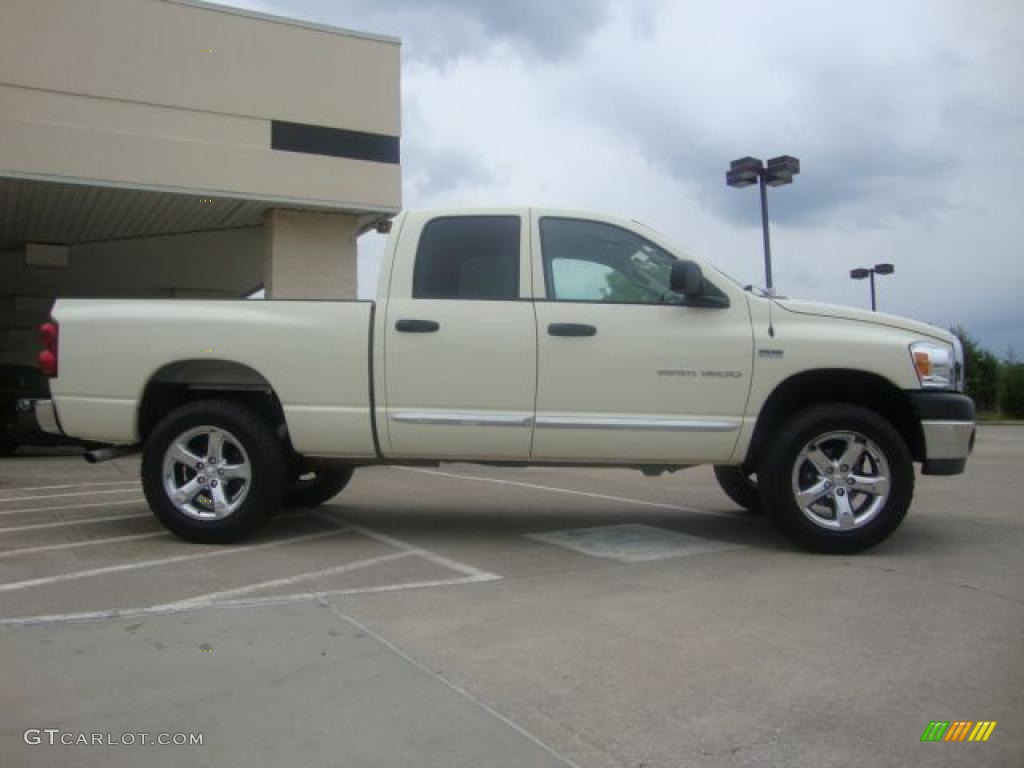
472	616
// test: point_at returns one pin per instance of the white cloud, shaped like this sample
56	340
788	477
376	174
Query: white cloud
907	117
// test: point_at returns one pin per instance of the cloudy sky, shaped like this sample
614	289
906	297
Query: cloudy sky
907	116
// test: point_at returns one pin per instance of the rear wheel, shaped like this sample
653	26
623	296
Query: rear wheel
838	480
212	471
740	486
316	482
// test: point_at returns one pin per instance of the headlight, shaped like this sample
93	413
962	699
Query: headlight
934	364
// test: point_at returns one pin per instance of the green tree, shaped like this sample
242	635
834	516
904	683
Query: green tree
1012	393
982	371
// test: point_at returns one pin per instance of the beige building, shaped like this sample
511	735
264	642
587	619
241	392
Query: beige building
178	148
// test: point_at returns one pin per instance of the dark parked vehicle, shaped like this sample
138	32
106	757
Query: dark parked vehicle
18	424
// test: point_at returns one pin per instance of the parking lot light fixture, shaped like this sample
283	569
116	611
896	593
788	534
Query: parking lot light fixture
775	173
869	272
744	172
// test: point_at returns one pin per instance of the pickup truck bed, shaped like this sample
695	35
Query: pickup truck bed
319	368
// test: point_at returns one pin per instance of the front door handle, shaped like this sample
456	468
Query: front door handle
417	326
571	329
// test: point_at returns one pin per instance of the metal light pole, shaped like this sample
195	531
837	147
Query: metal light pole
879	269
776	172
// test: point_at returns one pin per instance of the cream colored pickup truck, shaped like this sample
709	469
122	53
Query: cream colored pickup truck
516	337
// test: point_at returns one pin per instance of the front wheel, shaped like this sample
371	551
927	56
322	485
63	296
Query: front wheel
839	479
212	471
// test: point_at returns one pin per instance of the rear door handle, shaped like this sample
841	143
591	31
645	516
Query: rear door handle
571	329
417	327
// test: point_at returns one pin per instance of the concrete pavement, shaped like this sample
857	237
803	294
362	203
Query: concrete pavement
458	631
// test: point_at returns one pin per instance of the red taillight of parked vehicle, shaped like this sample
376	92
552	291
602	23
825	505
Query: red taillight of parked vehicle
48	334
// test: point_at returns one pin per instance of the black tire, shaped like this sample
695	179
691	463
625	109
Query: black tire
263	453
317	482
785	470
8	449
740	486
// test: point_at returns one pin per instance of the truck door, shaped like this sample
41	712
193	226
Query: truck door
625	374
460	344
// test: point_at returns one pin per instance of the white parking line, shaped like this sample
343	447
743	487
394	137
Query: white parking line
426	554
86	521
65	495
400	587
88	543
252	602
69	506
286	581
68	618
471	576
70	485
589	494
76	575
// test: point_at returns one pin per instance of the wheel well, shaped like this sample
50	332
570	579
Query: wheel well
188	380
867	390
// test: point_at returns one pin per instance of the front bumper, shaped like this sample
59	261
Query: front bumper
948	428
45	414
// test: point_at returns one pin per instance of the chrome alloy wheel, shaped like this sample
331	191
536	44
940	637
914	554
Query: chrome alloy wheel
841	480
206	473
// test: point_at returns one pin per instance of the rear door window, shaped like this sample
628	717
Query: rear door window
468	257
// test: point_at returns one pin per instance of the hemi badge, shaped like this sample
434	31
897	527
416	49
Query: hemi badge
776	353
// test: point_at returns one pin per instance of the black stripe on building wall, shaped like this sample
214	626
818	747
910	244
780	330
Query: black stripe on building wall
335	142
